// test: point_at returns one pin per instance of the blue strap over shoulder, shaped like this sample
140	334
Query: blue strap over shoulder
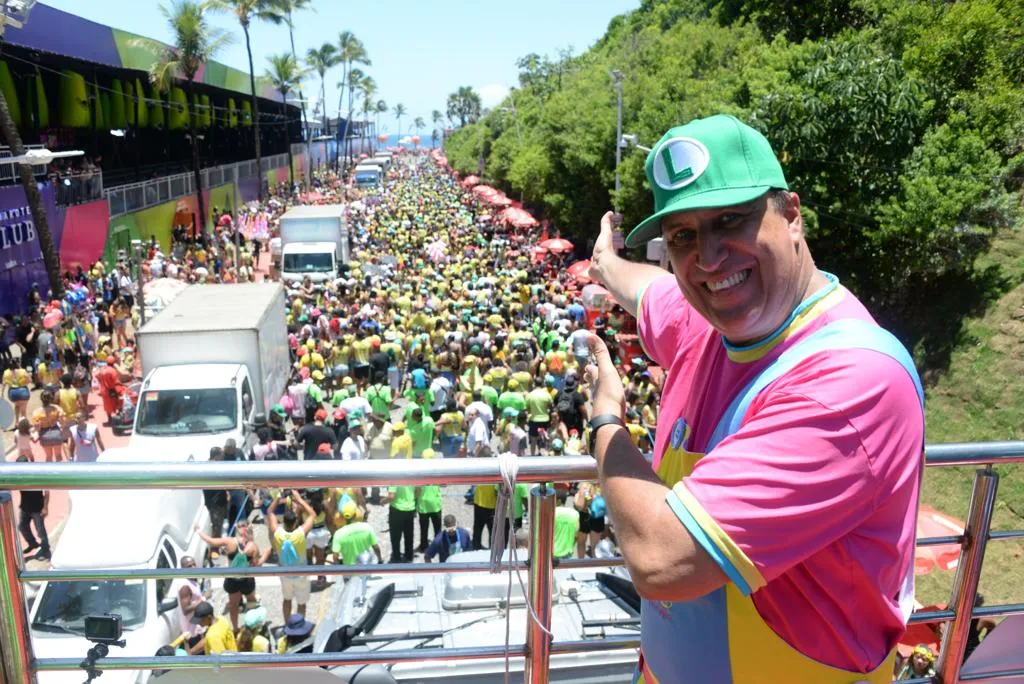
846	333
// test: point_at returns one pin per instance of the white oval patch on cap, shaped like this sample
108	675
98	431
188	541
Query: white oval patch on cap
679	162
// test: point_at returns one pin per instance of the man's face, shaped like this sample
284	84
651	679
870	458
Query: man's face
743	268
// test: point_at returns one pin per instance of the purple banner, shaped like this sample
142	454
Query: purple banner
21	260
52	30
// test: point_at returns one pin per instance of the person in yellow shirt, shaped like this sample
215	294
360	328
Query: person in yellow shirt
401	444
219	636
17	381
485	499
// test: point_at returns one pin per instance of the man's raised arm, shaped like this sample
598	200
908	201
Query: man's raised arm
625	279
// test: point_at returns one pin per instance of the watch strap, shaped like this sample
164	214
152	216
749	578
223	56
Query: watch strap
600	421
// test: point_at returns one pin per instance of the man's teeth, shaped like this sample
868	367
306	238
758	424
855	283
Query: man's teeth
732	281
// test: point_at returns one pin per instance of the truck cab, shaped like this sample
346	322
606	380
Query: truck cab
199	406
368	175
314	243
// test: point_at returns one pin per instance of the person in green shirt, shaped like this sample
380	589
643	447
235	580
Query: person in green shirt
380	398
353	539
421	430
567	526
512	398
418	397
401	513
428	508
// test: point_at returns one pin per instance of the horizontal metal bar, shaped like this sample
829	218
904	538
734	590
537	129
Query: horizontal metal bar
103	574
294	474
1007	534
612	643
403	636
939	541
609	643
409	655
925	617
611	622
974	453
370	473
995	676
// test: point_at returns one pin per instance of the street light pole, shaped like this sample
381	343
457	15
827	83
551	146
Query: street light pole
617	77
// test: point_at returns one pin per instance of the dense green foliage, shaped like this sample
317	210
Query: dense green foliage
900	123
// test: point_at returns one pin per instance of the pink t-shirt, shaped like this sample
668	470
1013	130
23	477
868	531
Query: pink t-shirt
819	487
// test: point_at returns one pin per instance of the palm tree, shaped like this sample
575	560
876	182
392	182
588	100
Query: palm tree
355	76
418	124
367	88
284	74
245	11
285	10
320	60
35	202
437	117
352	51
195	42
382	108
399	111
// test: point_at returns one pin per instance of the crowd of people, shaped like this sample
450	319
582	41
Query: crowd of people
410	353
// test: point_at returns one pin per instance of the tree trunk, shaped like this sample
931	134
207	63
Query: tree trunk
255	115
288	143
341	98
348	125
302	101
323	101
35	202
200	204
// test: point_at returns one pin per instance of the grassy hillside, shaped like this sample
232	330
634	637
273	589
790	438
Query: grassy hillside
981	398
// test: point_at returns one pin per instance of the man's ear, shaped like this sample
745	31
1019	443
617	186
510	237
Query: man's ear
794	218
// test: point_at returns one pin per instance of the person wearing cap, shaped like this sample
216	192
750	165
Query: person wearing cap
315	435
834	430
354	447
401	444
254	637
219	636
354	537
297	631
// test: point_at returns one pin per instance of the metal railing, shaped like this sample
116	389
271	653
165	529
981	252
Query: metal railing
19	665
125	199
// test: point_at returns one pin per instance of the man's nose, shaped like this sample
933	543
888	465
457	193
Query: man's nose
711	251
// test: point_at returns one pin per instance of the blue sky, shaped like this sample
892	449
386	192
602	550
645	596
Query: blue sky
421	51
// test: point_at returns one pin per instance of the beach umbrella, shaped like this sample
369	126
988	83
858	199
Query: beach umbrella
578	270
557	245
498	199
933	523
383	137
483	190
437	250
470	181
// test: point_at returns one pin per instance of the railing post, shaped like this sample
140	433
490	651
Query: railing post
542	546
14	636
968	572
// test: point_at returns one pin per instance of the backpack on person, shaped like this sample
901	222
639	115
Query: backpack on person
240	560
288	554
565	404
309	402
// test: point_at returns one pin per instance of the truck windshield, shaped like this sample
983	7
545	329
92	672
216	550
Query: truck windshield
63	606
322	262
186	412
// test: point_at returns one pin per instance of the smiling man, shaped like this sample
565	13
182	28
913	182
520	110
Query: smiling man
773	540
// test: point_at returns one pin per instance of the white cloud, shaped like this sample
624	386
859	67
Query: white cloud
492	94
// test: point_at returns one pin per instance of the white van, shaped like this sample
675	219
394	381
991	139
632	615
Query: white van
124	529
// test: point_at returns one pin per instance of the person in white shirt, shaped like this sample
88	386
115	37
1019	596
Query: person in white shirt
482	408
356	405
354	446
580	347
441	387
86	445
478	440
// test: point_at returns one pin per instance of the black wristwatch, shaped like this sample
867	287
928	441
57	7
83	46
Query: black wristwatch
601	420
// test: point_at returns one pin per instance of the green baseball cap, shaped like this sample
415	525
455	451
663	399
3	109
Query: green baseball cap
714	162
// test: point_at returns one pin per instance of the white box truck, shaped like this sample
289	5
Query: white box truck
314	243
368	175
212	360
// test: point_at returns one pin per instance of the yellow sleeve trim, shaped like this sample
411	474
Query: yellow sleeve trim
723	541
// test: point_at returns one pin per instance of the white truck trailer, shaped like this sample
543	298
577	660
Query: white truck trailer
314	243
212	360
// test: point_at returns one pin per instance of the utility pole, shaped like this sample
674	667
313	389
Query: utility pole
617	78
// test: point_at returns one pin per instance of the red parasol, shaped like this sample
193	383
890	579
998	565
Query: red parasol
470	181
557	245
520	218
383	137
498	200
933	523
578	270
484	190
